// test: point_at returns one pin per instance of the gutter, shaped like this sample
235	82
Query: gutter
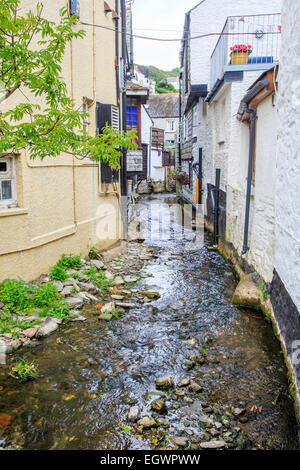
253	117
124	55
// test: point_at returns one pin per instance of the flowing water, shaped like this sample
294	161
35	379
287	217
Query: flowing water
91	372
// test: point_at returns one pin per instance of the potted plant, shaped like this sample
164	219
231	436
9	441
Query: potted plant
239	54
180	177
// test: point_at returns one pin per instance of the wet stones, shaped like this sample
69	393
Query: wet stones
107	308
238	411
159	406
179	441
220	444
134	414
184	382
150	295
105	317
165	382
48	327
30	332
147	422
196	388
98	264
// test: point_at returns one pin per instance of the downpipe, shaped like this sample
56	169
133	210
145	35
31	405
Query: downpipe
253	118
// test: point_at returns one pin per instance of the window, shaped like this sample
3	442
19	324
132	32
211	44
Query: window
131	114
171	126
86	122
7	182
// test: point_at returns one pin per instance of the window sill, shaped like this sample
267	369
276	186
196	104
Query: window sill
14	211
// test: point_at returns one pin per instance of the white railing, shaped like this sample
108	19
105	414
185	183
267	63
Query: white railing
262	32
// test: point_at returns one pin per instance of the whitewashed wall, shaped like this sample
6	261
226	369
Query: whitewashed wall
146	132
210	16
287	254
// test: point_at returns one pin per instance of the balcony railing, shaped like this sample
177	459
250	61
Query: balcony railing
262	32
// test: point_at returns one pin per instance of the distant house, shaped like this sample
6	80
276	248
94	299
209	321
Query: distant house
138	119
164	112
175	82
141	79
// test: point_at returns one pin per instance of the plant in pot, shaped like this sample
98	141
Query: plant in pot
239	54
180	177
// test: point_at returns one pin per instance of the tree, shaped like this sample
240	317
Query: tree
31	53
164	87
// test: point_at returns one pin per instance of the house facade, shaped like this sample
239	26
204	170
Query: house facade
207	73
164	112
65	205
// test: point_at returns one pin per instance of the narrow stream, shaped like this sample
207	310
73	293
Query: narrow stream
92	372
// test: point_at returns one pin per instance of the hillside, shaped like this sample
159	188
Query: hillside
156	74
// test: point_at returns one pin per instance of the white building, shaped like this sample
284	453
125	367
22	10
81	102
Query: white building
140	79
164	111
212	87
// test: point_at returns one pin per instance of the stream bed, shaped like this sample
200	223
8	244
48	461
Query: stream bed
91	373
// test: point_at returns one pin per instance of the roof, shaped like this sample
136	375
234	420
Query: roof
163	105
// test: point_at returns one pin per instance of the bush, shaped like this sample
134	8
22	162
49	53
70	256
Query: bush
16	294
98	278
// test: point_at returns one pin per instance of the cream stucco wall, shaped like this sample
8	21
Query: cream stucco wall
63	208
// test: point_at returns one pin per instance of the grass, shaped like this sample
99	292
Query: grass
24	370
24	299
98	278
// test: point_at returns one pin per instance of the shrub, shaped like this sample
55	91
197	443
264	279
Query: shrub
98	278
24	370
16	294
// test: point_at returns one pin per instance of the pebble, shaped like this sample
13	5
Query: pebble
179	441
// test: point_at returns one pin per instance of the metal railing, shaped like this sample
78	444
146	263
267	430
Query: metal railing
262	32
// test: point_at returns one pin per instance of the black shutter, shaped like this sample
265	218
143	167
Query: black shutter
103	117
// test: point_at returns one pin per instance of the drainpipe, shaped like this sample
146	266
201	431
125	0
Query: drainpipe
124	55
246	101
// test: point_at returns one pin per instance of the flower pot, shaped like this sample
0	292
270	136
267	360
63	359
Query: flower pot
239	58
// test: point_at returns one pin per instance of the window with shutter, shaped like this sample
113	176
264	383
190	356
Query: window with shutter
107	114
7	182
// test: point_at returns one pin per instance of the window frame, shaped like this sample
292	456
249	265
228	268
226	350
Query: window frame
9	175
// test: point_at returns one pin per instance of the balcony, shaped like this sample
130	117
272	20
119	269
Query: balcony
262	32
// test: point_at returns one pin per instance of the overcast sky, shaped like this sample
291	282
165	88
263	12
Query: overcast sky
152	15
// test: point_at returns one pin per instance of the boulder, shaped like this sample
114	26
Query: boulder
247	295
48	327
59	285
134	414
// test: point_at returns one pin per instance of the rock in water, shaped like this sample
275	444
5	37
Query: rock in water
150	295
105	316
194	387
134	414
159	406
213	444
184	382
147	422
107	308
247	294
165	382
179	441
98	264
48	327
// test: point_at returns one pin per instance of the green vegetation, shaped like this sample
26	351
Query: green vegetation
23	299
59	271
24	370
98	278
163	86
56	127
263	290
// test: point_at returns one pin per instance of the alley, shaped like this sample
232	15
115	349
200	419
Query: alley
92	373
